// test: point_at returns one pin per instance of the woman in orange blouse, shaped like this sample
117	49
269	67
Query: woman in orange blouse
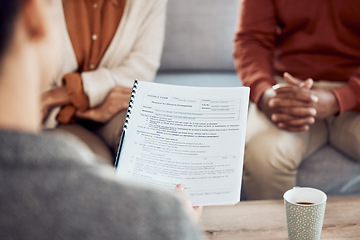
106	45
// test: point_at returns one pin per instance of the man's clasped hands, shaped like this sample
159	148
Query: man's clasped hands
296	104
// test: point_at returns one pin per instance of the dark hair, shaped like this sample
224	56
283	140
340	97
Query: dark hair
9	11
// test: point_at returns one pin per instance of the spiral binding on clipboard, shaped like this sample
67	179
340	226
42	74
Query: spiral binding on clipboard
131	103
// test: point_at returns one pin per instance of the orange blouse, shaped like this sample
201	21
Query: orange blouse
91	26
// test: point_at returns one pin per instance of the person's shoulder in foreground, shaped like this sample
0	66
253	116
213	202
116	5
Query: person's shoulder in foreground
47	193
47	189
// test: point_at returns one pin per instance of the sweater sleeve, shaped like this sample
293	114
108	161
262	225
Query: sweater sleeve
141	63
348	96
254	46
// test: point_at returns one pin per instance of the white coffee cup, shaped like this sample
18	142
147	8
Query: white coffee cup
305	210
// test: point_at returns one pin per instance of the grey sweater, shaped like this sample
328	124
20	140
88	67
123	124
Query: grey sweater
49	191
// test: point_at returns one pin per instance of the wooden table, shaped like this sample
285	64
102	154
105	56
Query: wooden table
266	220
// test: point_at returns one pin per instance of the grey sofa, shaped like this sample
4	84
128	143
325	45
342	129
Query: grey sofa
198	52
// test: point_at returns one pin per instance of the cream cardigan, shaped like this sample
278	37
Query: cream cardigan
134	52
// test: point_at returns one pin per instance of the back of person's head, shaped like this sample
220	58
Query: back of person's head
30	32
9	11
28	55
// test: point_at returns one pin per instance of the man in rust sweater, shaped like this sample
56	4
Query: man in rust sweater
318	43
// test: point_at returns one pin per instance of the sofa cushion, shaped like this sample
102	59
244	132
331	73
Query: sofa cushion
200	79
331	171
199	35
